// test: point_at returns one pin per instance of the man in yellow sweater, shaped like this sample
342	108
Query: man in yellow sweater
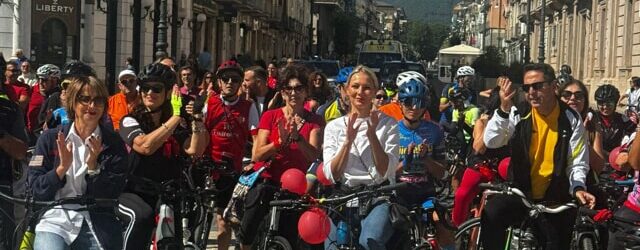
549	157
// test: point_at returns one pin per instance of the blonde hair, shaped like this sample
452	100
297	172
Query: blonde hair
75	88
366	70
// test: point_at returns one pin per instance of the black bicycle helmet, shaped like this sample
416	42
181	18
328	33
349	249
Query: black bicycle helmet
607	93
158	72
76	68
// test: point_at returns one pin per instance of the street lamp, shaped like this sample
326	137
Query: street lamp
161	44
527	46
542	23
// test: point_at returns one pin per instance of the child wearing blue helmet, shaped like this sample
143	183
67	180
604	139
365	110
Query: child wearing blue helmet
420	140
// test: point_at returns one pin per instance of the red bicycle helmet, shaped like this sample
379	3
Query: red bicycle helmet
229	66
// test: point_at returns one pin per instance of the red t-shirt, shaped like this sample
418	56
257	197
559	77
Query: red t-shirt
35	103
228	127
14	91
291	156
272	82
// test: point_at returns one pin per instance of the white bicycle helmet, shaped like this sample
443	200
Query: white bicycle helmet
465	71
48	70
407	76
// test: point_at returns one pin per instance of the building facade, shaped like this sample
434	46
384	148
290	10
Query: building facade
600	40
56	31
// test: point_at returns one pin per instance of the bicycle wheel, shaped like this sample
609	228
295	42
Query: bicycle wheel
468	234
587	243
278	243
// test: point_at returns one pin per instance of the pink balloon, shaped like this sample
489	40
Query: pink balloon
314	226
613	155
320	175
294	181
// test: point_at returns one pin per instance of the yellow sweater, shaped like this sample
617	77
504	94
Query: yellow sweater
543	141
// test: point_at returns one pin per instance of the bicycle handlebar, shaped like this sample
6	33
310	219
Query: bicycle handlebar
311	200
503	189
81	200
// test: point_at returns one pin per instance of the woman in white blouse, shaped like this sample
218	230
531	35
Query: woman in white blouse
361	148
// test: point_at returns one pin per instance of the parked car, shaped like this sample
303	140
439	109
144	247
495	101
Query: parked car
390	70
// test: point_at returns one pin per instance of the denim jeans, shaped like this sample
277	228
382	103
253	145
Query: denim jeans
376	230
51	241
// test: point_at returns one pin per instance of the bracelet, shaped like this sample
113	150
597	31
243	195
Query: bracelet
165	126
93	172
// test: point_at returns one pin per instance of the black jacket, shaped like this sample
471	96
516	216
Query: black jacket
571	162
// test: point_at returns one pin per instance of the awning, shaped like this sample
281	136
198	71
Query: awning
461	49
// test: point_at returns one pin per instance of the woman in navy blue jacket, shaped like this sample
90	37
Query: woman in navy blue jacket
83	158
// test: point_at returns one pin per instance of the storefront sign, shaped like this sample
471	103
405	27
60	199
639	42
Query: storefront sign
67	11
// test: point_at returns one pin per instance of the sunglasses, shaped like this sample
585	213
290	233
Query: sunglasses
298	89
414	102
87	100
579	95
537	86
155	88
606	104
232	79
381	96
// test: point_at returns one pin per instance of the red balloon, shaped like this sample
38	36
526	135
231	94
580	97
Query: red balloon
320	175
314	226
294	181
503	166
613	155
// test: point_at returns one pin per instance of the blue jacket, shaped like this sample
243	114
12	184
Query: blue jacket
44	181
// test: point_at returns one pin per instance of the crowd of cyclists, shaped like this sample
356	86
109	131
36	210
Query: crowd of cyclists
270	119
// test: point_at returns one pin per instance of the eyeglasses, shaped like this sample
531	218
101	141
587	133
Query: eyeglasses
414	102
536	86
230	79
606	104
298	89
155	88
381	96
579	95
86	100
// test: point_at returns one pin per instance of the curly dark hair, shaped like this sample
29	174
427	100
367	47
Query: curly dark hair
293	72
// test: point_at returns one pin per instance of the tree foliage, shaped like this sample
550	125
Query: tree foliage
346	33
425	39
489	64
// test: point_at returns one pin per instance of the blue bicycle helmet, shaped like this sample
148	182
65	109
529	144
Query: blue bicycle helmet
414	93
343	75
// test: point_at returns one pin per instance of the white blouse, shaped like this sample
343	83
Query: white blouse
360	169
